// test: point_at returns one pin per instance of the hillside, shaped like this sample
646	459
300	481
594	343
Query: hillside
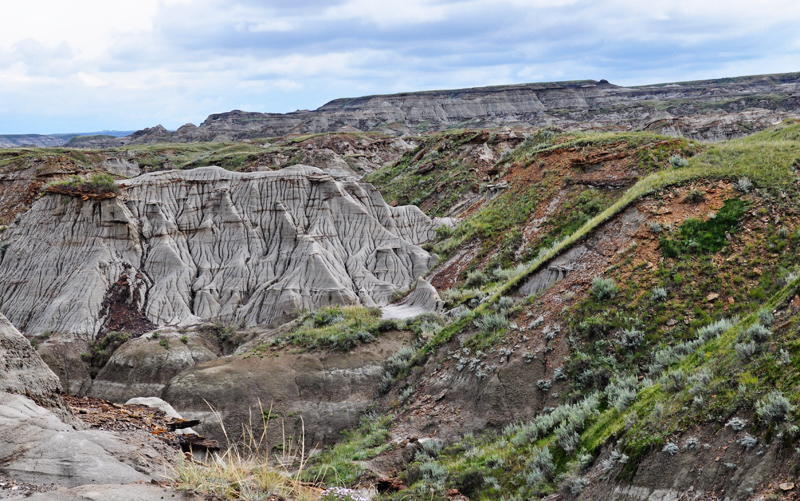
608	315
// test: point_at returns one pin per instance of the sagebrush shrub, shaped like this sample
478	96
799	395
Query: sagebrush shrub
631	338
774	407
744	185
603	289
678	161
671	448
622	392
492	322
658	294
476	279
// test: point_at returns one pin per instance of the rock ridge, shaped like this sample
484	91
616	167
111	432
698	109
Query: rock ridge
708	110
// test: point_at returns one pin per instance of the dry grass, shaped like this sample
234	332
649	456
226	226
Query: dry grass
249	471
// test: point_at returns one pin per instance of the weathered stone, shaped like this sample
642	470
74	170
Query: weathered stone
182	247
143	366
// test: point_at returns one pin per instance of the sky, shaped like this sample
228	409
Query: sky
89	65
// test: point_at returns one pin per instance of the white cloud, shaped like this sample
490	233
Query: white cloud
134	63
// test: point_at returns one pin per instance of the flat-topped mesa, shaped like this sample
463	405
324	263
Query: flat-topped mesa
182	247
709	110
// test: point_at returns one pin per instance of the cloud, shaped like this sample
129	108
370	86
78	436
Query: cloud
94	64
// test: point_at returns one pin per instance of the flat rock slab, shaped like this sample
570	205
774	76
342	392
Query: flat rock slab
38	448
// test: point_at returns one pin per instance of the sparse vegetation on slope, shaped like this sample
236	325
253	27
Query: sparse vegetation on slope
654	345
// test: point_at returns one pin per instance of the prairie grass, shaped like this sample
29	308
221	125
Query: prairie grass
248	471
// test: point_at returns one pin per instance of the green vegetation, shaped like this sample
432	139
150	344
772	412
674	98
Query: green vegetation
342	328
335	328
100	351
704	237
342	464
704	336
100	183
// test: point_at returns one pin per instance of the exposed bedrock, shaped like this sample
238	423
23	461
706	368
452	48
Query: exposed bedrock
182	247
318	394
41	442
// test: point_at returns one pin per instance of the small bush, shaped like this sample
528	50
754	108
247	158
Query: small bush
622	392
655	227
774	407
433	473
476	279
765	317
758	333
399	362
678	161
631	338
744	185
504	303
165	343
577	484
748	441
540	467
745	351
567	438
492	322
658	294
671	448
736	424
674	381
603	289
184	340
695	196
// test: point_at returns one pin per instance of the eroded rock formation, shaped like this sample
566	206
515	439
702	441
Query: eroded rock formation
708	110
182	247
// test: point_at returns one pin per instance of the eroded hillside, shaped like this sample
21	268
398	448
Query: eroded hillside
619	359
620	322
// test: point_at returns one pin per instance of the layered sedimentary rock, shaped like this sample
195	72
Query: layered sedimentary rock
706	110
23	372
181	247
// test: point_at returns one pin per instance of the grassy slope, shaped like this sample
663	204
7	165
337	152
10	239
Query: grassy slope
500	463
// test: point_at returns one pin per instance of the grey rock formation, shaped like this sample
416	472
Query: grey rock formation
318	394
143	366
707	110
157	403
39	448
39	442
182	247
23	372
423	299
106	492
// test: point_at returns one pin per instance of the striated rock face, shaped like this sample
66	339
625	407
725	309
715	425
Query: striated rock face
708	110
22	371
181	247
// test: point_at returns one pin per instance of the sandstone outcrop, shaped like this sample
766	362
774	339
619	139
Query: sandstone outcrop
143	366
23	372
182	247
